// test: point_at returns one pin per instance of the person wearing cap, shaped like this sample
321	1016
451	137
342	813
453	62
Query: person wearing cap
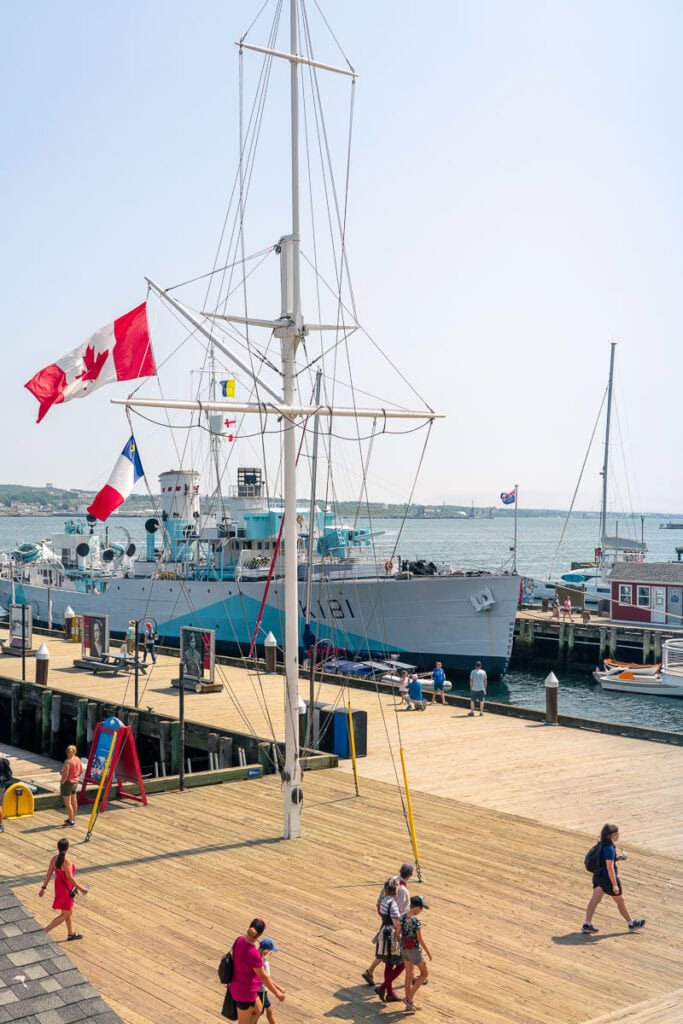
478	684
130	637
249	974
266	947
149	641
412	945
402	898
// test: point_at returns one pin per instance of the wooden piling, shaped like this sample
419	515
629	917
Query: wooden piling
612	643
55	723
658	646
165	743
603	644
225	752
81	719
15	714
92	719
175	747
45	721
134	723
570	642
647	645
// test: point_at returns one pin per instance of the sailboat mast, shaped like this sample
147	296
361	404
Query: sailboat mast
605	464
290	335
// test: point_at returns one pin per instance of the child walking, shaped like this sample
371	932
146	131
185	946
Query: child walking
267	946
412	945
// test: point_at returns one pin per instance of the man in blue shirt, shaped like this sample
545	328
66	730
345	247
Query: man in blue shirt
415	693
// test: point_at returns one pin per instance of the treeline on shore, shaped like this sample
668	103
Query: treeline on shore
17	499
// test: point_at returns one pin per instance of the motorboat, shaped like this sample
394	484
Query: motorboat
666	683
638	669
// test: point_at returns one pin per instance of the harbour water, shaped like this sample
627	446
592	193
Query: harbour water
477	543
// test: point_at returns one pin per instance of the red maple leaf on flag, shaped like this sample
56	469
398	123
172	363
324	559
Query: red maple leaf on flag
93	365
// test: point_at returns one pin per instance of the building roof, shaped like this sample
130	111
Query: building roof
647	572
38	982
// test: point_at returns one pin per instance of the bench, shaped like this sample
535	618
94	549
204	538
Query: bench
110	663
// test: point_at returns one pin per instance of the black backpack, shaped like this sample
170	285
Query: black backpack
591	861
6	776
226	968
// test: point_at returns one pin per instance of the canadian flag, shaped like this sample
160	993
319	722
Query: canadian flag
119	351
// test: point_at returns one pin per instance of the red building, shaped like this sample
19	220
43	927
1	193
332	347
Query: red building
648	592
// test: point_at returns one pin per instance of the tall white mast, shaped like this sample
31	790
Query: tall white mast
605	463
290	329
290	334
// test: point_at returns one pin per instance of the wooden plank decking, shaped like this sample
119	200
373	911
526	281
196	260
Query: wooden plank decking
504	809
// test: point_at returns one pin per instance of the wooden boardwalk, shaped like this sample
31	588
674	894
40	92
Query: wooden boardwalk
504	808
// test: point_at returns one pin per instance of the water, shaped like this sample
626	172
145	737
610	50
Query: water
479	543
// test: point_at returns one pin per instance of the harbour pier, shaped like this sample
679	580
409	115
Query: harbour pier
505	810
541	640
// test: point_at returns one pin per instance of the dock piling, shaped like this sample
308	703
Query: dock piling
552	686
55	723
45	721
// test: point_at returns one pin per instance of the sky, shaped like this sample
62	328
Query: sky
514	207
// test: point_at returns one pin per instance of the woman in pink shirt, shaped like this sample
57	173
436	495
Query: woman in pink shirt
71	773
249	975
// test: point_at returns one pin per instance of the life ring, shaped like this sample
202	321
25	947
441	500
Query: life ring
389	566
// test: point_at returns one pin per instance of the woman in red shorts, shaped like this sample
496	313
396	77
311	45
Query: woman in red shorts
249	975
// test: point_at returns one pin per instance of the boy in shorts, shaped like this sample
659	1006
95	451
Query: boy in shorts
439	681
412	945
267	946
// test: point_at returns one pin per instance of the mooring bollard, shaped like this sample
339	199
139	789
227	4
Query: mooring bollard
270	647
551	690
42	665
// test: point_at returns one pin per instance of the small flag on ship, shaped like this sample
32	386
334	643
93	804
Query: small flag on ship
227	388
126	473
509	497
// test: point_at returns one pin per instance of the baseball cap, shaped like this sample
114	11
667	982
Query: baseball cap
406	870
417	901
258	925
268	944
149	625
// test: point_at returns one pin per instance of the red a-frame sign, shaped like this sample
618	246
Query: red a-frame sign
124	764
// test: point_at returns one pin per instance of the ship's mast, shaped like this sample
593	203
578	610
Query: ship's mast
605	464
290	335
289	329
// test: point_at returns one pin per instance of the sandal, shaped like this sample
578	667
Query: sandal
368	977
74	936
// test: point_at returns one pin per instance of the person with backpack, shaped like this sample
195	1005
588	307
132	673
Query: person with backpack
402	898
601	861
6	779
248	975
386	940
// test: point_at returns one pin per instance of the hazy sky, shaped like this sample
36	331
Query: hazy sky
515	206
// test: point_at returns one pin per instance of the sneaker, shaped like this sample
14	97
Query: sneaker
632	925
394	999
74	936
368	977
380	992
588	929
69	823
481	714
470	714
2	827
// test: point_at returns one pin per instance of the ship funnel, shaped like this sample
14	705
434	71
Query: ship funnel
179	493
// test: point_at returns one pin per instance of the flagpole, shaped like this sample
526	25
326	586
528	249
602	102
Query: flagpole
514	548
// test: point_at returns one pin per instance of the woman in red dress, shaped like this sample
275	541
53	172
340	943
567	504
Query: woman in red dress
66	888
